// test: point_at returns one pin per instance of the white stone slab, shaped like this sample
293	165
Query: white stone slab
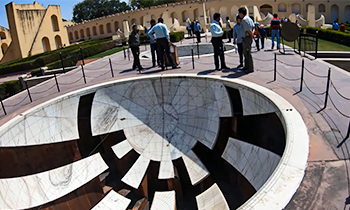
212	199
163	115
52	122
255	103
254	163
136	173
166	170
164	201
38	189
113	201
195	168
121	149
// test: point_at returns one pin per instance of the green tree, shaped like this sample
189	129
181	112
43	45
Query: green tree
137	4
91	9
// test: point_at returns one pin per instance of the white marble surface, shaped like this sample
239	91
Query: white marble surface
162	116
38	189
121	149
254	163
113	201
55	121
212	199
195	168
255	103
164	201
136	173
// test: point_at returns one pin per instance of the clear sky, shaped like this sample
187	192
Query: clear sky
66	7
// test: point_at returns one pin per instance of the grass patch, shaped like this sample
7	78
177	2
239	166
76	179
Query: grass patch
324	45
106	53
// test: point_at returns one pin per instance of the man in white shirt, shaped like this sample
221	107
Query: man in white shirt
228	29
216	40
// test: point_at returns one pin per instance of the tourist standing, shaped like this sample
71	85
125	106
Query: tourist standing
153	45
262	35
216	40
238	34
189	30
275	31
248	36
197	31
342	27
257	36
228	29
134	44
335	26
163	42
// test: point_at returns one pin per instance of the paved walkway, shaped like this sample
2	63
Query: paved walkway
326	184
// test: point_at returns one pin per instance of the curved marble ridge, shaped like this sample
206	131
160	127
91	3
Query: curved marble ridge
162	120
55	121
212	199
38	189
254	163
164	201
113	201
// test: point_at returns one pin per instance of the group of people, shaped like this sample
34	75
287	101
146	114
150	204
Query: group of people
194	28
336	26
243	34
160	45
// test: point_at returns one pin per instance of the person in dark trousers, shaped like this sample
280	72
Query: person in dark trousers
238	34
153	46
189	30
275	31
216	40
228	29
163	42
197	31
248	36
263	35
257	36
134	44
192	28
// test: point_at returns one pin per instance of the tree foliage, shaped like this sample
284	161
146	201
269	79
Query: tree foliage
136	4
91	9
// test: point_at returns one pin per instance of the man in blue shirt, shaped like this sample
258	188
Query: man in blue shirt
335	26
163	42
153	45
247	25
197	31
238	34
216	40
189	30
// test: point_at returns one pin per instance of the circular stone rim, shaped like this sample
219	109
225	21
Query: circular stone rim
279	189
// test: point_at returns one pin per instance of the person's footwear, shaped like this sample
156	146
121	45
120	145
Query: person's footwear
239	66
262	48
272	47
134	67
140	68
248	71
217	69
278	48
225	68
176	67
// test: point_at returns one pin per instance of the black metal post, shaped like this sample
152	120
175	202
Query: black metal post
82	56
145	46
62	62
129	54
316	45
198	49
30	97
110	64
192	58
302	75
82	69
327	90
3	107
275	67
299	43
58	87
124	53
346	137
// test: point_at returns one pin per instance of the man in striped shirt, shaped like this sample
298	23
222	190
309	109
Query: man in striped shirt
275	31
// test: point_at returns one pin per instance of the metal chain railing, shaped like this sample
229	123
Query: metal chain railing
61	83
313	92
13	105
316	75
289	79
39	92
336	90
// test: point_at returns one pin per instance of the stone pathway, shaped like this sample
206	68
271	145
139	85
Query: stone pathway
326	184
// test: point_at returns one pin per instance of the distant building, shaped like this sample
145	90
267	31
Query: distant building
33	29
